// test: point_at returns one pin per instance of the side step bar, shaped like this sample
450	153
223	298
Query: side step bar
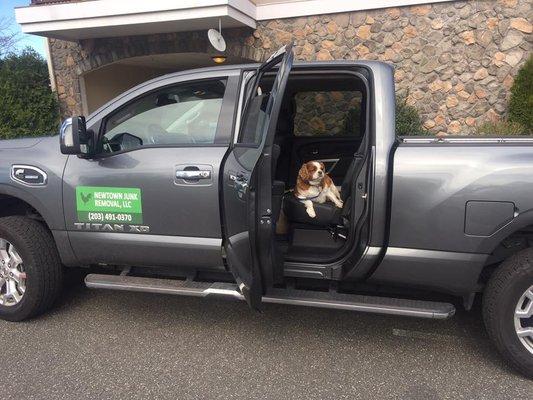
340	301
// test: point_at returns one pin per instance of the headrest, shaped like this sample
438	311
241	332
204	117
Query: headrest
164	100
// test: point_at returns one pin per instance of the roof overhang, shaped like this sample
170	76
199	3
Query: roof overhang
108	18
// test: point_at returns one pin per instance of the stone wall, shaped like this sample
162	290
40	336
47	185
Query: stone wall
454	61
327	113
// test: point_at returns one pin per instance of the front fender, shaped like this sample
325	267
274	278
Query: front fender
45	203
43	154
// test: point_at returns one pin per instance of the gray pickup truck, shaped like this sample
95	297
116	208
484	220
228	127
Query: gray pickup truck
182	185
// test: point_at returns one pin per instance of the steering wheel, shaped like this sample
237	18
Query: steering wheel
157	135
193	118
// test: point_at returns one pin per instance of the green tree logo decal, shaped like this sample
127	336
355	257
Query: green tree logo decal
85	197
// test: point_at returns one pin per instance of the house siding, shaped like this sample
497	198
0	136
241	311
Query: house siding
455	62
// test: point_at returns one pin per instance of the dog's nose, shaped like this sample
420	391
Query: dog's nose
320	173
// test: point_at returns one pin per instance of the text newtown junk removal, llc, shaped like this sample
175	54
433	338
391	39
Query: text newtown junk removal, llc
109	209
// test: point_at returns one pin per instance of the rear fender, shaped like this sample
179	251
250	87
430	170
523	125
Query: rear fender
521	221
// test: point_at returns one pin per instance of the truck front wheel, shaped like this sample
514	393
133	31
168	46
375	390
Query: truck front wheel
30	269
508	310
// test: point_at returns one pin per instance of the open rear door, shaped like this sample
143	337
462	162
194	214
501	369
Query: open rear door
247	183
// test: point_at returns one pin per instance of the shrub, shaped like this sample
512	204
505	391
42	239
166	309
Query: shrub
500	128
408	120
29	108
521	103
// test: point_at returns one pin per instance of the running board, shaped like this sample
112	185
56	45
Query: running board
340	301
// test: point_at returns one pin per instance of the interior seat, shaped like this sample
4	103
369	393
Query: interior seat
327	214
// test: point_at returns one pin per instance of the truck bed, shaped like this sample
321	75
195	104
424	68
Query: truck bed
441	187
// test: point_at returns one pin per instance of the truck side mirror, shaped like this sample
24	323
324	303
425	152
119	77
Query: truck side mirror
73	136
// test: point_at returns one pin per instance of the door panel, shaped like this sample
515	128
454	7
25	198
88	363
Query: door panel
247	184
147	250
176	209
150	193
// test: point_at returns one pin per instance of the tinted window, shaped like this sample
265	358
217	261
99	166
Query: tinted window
176	115
254	121
328	113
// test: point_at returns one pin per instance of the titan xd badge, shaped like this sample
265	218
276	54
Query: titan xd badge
109	205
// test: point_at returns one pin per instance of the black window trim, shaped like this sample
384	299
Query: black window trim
354	69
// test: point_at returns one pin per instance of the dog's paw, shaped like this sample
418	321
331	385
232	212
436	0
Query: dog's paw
311	212
339	204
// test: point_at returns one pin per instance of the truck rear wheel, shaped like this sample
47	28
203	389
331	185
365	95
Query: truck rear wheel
508	310
30	269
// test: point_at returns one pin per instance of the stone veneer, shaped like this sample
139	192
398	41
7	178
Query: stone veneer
327	113
454	61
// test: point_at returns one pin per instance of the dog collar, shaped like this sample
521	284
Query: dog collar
308	198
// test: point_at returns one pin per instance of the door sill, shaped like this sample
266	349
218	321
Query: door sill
300	270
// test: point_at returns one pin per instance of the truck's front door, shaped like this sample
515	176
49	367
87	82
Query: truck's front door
246	183
150	195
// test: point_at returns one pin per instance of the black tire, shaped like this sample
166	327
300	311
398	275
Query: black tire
42	265
507	284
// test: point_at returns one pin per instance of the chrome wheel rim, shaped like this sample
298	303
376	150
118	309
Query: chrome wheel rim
12	275
523	319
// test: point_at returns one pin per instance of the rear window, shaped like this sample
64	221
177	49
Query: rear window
328	113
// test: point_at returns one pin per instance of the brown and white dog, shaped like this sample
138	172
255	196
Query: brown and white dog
314	185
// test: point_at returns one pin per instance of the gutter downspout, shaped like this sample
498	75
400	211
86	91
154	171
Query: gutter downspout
50	66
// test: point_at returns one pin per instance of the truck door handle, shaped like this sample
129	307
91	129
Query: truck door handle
193	174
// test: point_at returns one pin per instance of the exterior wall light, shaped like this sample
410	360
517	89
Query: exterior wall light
219	59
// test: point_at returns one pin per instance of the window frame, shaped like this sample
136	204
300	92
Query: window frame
225	119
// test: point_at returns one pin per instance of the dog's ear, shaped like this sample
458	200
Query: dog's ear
303	174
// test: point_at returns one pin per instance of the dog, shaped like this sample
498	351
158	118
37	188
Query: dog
314	185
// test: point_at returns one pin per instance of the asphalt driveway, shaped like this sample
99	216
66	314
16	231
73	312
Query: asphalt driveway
102	345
